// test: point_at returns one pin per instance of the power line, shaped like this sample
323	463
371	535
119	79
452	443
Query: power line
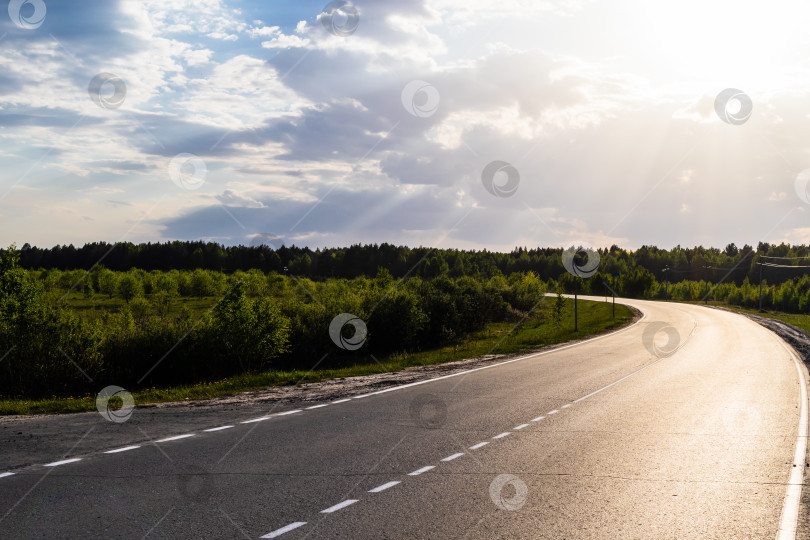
770	265
772	257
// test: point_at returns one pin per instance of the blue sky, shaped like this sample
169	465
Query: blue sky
240	118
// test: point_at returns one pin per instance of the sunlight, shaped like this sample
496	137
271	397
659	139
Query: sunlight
723	41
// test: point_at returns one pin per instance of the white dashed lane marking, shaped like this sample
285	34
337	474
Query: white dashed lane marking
454	456
384	486
339	506
521	426
288	528
555	411
340	401
538	418
565	406
3	475
479	445
63	462
425	469
176	437
220	428
261	419
124	449
317	406
502	435
288	412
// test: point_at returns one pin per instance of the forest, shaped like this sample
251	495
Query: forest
731	264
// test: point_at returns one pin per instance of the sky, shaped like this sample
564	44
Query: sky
455	124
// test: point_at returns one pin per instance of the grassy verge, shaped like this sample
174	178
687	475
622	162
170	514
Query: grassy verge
498	338
796	319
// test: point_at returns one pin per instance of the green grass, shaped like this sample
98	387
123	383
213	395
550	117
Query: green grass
99	304
498	338
796	319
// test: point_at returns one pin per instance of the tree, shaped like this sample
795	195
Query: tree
107	282
129	287
251	331
201	284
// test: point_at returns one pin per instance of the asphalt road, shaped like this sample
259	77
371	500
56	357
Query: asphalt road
618	437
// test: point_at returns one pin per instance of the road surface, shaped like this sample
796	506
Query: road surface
691	433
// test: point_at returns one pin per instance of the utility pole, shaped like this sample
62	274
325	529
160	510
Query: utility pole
760	286
608	288
576	279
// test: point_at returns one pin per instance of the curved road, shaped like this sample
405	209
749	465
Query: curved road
692	432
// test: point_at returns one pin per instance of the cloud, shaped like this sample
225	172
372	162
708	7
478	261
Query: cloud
232	198
308	133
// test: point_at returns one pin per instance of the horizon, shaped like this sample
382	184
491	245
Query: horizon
269	244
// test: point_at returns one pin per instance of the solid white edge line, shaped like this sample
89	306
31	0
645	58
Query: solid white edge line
124	449
176	437
521	426
339	506
479	445
5	474
340	401
533	355
63	462
788	524
288	528
454	456
220	428
424	469
385	486
502	435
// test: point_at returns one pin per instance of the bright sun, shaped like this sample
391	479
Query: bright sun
758	45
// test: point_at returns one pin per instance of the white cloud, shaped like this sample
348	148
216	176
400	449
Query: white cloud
230	197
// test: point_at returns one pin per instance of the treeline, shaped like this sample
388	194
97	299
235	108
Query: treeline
258	321
731	264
